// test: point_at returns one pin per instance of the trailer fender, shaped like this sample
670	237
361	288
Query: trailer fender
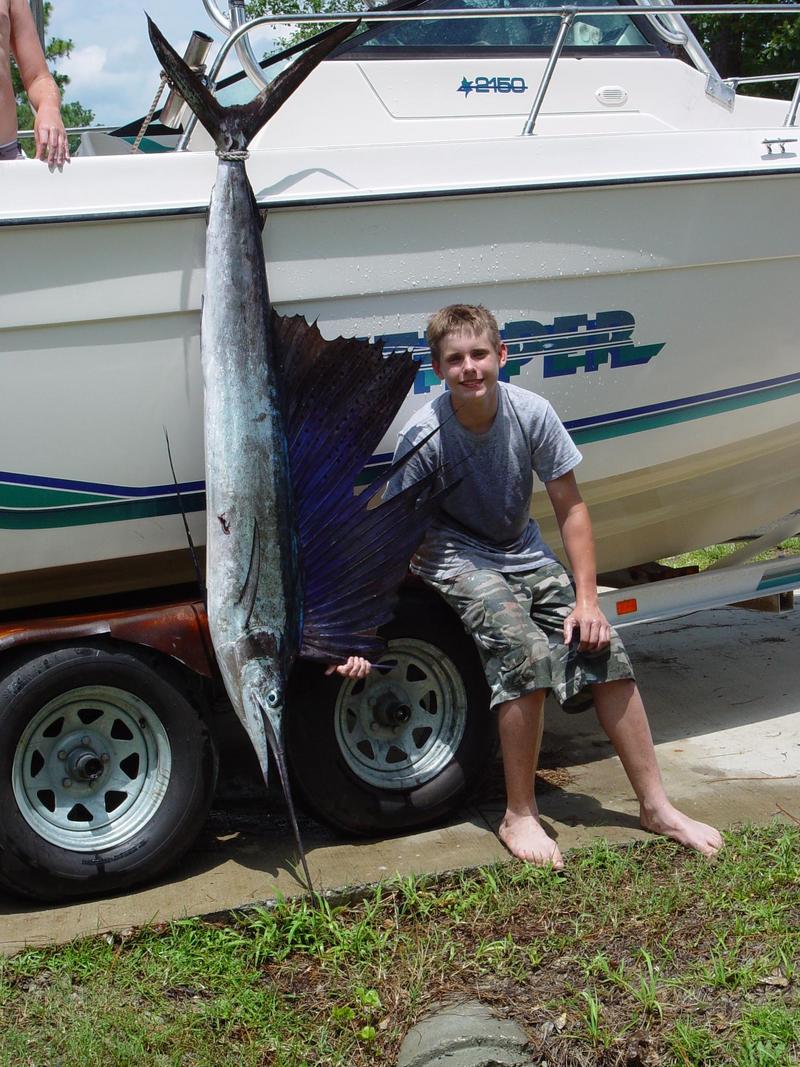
177	630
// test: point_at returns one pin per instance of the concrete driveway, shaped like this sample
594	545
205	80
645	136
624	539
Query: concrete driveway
723	697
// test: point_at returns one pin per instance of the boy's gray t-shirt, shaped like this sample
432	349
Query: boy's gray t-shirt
485	522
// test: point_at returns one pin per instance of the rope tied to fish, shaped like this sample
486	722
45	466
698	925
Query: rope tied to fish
233	154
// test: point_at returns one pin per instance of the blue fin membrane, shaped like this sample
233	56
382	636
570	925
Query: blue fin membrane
340	397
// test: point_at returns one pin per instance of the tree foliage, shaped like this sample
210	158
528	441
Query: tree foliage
257	8
751	46
73	113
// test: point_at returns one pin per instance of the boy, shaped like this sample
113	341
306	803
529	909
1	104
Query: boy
485	556
18	36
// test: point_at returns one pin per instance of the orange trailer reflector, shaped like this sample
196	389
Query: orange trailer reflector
625	607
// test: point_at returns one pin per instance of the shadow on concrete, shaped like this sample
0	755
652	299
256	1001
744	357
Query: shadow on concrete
709	674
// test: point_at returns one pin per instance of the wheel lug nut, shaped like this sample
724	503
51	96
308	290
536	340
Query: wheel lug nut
86	741
67	783
105	757
62	754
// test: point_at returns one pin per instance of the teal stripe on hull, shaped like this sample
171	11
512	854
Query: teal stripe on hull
118	511
640	423
29	518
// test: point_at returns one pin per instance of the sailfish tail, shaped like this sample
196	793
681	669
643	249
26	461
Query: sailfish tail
233	128
271	719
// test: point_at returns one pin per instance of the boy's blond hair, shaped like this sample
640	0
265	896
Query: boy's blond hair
461	318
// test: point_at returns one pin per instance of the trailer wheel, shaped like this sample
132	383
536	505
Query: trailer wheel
107	771
403	747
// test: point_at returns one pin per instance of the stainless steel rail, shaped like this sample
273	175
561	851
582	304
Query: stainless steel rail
763	78
26	135
567	14
791	114
680	34
567	18
421	14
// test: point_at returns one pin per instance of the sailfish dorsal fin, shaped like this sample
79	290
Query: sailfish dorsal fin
340	397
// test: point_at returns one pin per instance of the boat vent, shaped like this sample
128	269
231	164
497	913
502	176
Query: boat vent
612	95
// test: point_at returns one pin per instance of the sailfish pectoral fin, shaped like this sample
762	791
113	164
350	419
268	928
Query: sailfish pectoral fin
249	592
271	720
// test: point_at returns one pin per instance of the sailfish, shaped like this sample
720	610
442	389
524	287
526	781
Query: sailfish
297	564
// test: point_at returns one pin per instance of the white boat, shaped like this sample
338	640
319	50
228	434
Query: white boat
630	219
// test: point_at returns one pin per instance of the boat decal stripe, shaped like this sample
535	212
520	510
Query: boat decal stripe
698	398
97	488
84	502
114	511
670	417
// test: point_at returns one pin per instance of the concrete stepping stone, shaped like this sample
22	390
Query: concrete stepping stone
465	1034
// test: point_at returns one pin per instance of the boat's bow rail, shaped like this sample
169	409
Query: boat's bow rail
579	26
458	73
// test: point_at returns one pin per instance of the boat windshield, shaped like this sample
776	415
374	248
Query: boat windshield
618	29
618	32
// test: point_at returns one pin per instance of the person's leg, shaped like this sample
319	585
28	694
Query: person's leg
495	609
622	716
520	723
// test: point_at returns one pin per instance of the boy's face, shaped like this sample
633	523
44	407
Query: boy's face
470	365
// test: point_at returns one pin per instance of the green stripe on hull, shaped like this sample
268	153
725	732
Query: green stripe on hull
34	496
117	511
31	505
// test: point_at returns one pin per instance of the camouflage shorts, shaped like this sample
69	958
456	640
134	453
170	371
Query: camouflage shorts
517	622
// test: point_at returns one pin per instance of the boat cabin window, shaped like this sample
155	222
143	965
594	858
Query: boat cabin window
616	31
621	32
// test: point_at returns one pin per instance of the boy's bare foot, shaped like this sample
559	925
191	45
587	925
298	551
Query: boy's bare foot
673	823
525	837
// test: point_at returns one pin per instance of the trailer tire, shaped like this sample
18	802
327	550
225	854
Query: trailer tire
397	750
107	770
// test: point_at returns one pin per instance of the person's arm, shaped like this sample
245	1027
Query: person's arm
575	525
51	138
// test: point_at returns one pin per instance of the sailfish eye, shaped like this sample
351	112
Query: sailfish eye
272	698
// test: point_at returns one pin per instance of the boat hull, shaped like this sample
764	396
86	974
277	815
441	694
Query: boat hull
665	337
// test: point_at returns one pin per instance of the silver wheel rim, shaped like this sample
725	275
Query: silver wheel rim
91	768
401	727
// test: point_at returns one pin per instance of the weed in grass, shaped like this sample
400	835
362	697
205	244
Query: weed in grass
769	1036
646	993
534	955
592	1019
601	967
728	966
692	1045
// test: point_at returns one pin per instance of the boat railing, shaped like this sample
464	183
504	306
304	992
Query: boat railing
791	115
28	135
668	21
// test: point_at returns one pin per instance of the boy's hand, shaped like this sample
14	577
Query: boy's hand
355	667
593	626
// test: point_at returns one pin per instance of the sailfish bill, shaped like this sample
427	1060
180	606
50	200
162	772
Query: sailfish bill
296	564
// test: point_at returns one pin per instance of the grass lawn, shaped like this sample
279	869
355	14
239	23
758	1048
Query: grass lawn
644	955
704	557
